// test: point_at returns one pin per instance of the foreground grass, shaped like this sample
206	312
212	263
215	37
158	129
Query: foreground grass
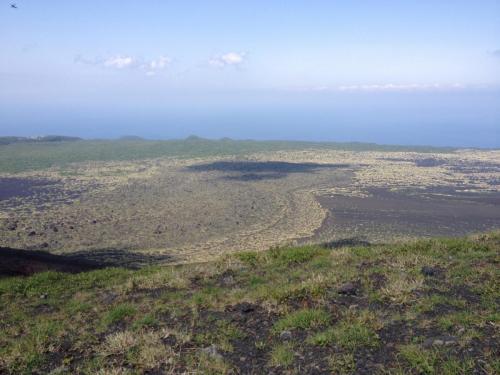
425	307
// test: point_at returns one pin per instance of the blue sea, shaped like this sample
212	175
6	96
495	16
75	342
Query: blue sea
458	120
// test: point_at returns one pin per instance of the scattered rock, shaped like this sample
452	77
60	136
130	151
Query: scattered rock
212	352
12	226
348	289
109	297
32	233
286	335
377	280
429	271
170	340
44	245
451	342
246	307
227	280
440	341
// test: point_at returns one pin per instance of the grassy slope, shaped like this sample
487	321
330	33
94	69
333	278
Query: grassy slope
274	312
22	157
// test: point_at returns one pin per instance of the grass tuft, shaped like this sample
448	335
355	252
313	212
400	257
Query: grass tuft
119	313
282	355
302	319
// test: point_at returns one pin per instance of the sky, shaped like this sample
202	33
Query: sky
407	72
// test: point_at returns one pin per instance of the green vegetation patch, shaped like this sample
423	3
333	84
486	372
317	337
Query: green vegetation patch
25	156
348	335
119	313
294	255
302	319
282	355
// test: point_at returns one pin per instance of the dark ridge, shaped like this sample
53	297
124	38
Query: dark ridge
131	138
15	262
345	242
46	138
124	258
195	138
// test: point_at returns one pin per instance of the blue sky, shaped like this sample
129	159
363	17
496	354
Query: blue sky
163	68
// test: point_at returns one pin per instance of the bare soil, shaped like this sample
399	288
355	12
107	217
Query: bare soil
385	214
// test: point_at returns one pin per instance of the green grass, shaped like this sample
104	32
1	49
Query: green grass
282	355
221	333
119	313
296	255
348	335
147	320
462	319
302	319
419	360
455	366
342	364
57	283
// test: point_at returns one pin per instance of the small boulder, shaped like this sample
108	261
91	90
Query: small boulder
440	341
109	297
227	280
348	289
212	352
429	271
12	226
286	335
246	307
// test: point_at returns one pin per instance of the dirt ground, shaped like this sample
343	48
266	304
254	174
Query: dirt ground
385	215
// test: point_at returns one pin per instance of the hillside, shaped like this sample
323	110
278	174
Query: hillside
421	307
19	154
40	139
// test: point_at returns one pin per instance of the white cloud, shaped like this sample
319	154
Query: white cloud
156	65
151	67
159	63
230	58
389	87
119	62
